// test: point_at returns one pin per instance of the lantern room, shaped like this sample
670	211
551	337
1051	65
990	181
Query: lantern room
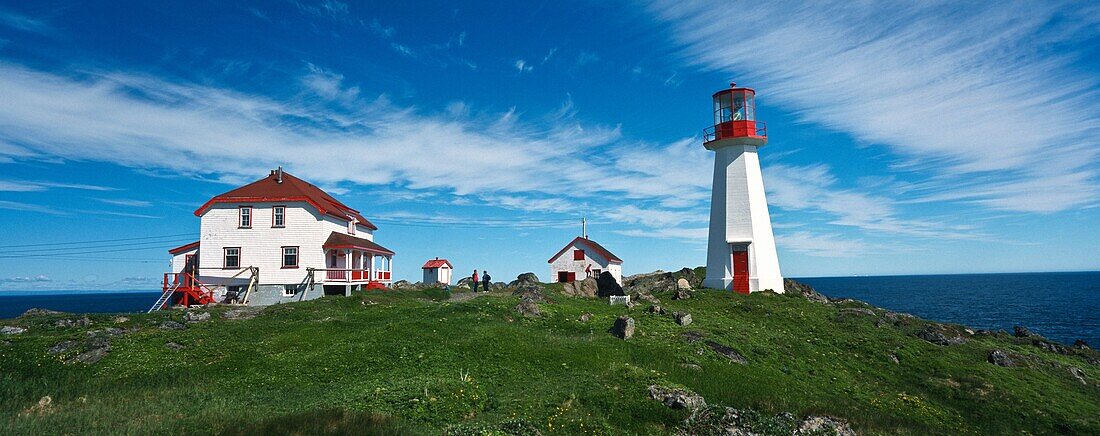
735	118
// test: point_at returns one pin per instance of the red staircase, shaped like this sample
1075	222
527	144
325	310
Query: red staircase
183	289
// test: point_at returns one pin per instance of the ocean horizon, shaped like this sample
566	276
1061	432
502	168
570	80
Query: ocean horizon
1063	306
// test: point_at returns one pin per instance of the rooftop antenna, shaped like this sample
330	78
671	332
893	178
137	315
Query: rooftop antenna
279	174
584	228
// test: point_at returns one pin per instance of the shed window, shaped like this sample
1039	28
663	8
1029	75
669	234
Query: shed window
290	257
246	217
278	216
289	290
578	254
232	257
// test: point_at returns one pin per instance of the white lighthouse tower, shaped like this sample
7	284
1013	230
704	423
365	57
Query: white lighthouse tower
741	252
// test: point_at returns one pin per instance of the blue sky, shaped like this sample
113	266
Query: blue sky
904	138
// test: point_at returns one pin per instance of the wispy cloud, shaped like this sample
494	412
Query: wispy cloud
821	244
523	66
28	207
125	202
23	22
36	186
968	93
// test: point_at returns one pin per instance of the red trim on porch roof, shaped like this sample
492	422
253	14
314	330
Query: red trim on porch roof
341	240
268	189
183	248
437	263
611	258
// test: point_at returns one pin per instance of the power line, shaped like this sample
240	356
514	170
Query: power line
95	242
15	256
87	247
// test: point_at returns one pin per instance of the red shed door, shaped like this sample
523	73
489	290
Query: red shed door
741	272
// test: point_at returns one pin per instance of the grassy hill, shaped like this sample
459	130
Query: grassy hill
420	362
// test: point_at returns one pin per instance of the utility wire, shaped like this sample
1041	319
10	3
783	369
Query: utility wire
87	247
95	242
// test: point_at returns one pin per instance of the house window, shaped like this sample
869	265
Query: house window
278	216
351	227
246	217
290	257
578	254
596	272
289	290
232	257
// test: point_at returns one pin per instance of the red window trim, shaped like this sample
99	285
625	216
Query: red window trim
273	225
225	258
297	256
240	214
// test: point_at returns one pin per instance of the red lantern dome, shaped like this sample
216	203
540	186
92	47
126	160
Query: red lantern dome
735	118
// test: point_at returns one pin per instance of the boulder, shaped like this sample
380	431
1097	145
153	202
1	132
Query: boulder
645	296
196	316
585	317
806	291
937	336
606	285
402	285
93	355
623	327
819	425
61	348
242	313
655	309
66	323
1078	374
682	283
528	308
677	398
681	294
728	353
1000	358
856	311
10	330
569	289
588	287
1051	347
173	325
466	283
1021	332
691	336
173	346
1080	344
120	319
682	318
527	278
35	311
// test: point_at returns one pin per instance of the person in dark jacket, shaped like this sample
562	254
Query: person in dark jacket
473	281
485	280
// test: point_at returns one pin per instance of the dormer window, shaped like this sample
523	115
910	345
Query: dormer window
245	217
278	216
578	254
351	227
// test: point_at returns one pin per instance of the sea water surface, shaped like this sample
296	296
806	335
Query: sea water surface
1061	306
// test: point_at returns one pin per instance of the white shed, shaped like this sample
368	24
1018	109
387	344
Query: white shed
582	257
438	271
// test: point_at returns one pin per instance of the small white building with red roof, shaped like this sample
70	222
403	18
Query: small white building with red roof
581	258
279	239
438	271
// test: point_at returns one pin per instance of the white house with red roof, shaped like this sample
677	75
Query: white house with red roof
438	271
297	240
583	257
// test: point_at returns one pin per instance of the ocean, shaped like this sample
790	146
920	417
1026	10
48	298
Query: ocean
1061	306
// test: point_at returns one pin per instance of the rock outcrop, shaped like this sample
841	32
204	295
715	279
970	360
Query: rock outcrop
527	278
660	281
728	353
792	287
677	398
682	318
623	327
1001	358
606	285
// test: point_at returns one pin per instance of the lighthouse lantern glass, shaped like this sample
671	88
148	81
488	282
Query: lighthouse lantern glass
735	105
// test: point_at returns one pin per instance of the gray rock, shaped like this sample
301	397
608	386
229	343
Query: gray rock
660	281
61	348
402	285
677	398
35	311
653	308
682	318
623	327
1080	344
1001	358
1021	332
11	330
527	278
120	319
173	346
242	313
682	283
1051	347
528	308
820	425
585	317
681	294
588	287
645	296
172	325
692	336
93	355
893	358
691	366
66	323
1078	374
806	291
606	285
856	311
196	316
937	336
728	353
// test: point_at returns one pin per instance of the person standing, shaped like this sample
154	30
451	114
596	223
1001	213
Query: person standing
588	271
473	278
485	280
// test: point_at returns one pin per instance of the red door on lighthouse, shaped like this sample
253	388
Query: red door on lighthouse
741	272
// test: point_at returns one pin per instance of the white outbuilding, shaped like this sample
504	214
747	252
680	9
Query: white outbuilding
581	258
438	271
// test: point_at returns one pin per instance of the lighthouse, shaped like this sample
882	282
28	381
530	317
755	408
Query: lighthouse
741	252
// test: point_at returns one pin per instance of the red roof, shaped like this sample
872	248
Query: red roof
268	190
183	248
343	240
579	241
437	263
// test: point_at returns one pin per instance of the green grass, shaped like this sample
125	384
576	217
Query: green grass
412	363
